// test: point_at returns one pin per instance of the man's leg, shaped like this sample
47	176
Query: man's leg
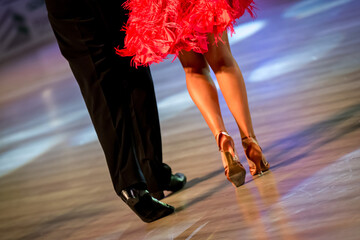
143	105
103	79
147	132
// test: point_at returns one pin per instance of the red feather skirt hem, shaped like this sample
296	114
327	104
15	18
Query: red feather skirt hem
157	28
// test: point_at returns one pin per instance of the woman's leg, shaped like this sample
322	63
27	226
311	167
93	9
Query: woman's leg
202	89
204	94
231	83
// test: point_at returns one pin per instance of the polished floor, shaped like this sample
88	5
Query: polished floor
301	62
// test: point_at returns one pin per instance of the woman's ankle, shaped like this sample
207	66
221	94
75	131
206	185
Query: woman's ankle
226	143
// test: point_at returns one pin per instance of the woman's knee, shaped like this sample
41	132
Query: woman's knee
219	55
195	70
220	63
194	64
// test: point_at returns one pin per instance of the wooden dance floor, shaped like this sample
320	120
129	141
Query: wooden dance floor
301	63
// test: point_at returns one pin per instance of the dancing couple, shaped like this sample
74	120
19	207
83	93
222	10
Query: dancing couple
121	99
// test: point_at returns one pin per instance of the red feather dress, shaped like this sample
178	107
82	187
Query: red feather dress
157	28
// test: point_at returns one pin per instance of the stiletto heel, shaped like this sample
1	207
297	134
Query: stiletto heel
257	165
234	171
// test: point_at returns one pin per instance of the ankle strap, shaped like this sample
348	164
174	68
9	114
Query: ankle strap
218	136
248	137
246	141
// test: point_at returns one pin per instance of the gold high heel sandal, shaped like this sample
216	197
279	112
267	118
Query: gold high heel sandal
234	171
256	165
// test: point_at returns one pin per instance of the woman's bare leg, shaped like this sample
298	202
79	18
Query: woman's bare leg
232	86
204	94
202	89
231	83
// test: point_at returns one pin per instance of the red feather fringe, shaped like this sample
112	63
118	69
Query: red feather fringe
157	28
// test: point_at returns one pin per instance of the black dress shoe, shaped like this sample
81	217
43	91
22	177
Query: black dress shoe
146	207
177	182
158	195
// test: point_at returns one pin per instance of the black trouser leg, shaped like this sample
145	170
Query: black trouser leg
120	100
147	132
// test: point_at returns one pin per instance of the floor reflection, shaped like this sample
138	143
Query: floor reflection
263	211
